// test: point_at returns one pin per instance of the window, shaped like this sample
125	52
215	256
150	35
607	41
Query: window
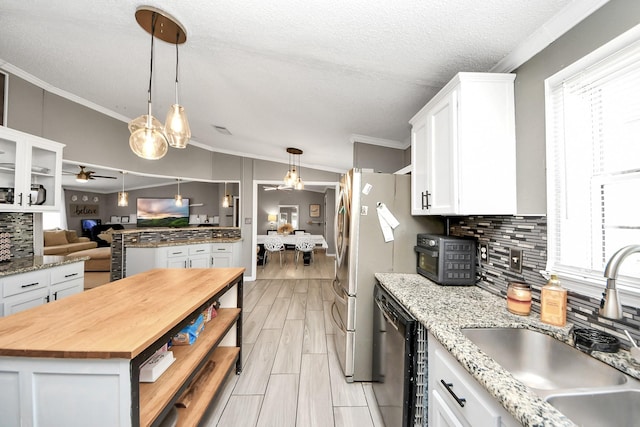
593	167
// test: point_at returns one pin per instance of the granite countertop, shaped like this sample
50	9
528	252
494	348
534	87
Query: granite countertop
443	310
185	242
25	265
160	229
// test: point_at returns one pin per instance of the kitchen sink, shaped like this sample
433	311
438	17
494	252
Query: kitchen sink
607	408
542	362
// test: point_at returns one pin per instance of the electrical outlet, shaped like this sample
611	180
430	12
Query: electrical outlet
483	248
515	260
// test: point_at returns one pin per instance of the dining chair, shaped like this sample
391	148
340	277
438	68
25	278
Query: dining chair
304	246
272	245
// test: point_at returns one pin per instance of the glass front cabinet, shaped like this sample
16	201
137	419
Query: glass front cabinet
30	172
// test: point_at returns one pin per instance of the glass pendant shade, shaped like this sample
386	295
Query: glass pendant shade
177	127
141	121
178	200
225	201
299	184
123	198
149	144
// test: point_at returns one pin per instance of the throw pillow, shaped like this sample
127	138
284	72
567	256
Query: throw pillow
107	237
55	238
72	236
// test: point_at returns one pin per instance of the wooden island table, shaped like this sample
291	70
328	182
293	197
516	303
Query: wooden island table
75	362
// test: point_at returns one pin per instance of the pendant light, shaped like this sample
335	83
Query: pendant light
123	196
149	139
178	197
176	127
292	178
226	200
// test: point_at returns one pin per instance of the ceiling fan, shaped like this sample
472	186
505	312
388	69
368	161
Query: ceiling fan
281	187
84	176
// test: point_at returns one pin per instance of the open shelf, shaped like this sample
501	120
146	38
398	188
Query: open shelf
154	397
206	388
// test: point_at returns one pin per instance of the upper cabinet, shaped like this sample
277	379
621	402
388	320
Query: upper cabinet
30	172
463	148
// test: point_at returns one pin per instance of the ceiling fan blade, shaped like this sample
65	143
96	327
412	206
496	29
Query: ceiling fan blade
270	188
103	176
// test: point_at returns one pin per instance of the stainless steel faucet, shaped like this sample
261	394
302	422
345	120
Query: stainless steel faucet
610	304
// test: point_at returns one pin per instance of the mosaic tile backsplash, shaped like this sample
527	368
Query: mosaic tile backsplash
529	233
20	229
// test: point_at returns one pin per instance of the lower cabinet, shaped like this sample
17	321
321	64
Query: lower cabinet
222	255
456	399
199	255
27	290
101	388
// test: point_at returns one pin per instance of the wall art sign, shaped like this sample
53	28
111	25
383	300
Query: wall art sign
83	210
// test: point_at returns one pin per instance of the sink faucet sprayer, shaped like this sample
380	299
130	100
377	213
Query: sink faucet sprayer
610	304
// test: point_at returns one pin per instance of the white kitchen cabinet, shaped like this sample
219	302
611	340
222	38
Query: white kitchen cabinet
179	256
222	255
30	172
66	280
456	398
27	290
463	154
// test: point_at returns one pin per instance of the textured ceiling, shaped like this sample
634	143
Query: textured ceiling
276	74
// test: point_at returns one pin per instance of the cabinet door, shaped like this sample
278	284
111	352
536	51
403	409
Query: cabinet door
419	167
199	261
30	172
440	414
221	260
66	289
442	155
177	262
10	181
25	301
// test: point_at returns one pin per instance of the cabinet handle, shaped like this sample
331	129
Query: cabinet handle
30	285
70	275
20	202
200	250
176	253
449	386
47	299
425	200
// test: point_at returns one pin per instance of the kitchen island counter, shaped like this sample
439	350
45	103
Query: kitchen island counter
444	310
76	361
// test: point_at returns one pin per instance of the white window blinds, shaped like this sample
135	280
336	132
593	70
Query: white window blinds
593	165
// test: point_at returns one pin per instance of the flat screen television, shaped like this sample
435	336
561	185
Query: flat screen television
162	213
88	224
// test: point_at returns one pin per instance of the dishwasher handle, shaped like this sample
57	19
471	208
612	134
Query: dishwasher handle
385	313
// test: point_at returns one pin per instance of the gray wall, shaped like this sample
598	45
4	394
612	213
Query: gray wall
268	202
611	20
380	159
209	194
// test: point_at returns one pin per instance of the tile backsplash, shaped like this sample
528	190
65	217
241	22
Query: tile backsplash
20	228
529	233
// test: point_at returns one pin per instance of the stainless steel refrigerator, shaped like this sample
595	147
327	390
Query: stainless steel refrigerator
361	251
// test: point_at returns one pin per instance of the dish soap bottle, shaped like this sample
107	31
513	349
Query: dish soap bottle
553	302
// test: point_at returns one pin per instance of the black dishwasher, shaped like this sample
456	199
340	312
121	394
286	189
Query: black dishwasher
394	359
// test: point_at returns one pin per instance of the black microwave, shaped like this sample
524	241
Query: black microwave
446	260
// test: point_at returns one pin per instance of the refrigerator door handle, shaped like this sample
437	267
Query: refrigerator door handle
338	291
339	323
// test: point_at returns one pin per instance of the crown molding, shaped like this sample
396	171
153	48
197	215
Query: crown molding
555	27
389	143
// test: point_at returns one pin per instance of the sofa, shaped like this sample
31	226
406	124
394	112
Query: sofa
64	242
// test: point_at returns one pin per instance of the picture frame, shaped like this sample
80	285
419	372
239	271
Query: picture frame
314	211
124	219
115	219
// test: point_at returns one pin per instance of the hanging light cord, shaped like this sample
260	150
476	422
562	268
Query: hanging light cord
177	40
153	31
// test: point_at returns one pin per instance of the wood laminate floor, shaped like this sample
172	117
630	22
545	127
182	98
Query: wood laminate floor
291	375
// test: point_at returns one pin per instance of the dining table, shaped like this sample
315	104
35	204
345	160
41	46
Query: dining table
292	239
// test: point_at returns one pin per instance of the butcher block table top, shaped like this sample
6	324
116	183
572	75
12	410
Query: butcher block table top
116	320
